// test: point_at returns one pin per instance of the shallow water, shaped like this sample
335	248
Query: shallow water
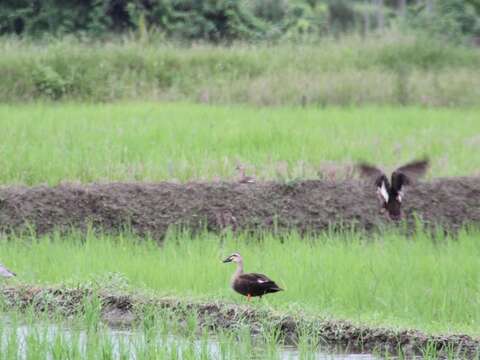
127	343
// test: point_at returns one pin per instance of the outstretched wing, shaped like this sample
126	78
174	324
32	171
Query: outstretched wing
407	173
414	169
369	171
378	177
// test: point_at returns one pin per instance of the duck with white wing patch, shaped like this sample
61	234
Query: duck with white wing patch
391	193
251	284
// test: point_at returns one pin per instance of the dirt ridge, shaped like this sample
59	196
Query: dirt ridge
304	206
126	308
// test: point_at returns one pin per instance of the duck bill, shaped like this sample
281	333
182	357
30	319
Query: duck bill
227	260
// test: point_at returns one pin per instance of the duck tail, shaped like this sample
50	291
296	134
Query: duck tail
275	288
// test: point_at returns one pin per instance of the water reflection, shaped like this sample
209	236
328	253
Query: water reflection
54	339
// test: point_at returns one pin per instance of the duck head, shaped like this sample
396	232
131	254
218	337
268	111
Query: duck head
391	193
235	257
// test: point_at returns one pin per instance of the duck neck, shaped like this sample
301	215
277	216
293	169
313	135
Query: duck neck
239	270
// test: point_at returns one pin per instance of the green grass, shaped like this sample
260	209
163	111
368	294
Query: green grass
163	335
392	69
150	142
159	335
388	280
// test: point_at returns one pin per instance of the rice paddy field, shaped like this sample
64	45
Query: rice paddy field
388	280
156	337
53	143
385	280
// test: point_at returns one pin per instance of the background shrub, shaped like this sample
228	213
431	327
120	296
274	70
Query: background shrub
228	20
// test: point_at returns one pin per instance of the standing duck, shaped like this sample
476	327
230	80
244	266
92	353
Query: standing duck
251	284
391	193
4	272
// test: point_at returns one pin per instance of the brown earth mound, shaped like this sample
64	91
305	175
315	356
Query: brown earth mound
126	309
305	206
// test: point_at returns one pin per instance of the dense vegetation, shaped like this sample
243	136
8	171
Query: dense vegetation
224	20
280	52
389	69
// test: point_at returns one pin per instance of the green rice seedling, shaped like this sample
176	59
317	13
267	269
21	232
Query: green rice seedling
308	342
385	279
243	338
271	336
430	351
10	346
149	323
59	340
106	349
63	347
49	144
92	308
191	326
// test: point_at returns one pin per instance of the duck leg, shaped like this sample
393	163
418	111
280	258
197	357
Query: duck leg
249	297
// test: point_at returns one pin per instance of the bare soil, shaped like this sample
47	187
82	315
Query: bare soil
305	206
126	309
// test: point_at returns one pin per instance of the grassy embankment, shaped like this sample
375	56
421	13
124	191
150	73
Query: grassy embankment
388	70
390	281
152	142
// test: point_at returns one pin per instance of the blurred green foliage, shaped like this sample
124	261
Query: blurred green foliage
229	20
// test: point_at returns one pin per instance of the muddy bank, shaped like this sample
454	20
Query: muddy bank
126	309
306	206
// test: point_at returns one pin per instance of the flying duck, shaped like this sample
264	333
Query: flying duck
391	193
251	284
